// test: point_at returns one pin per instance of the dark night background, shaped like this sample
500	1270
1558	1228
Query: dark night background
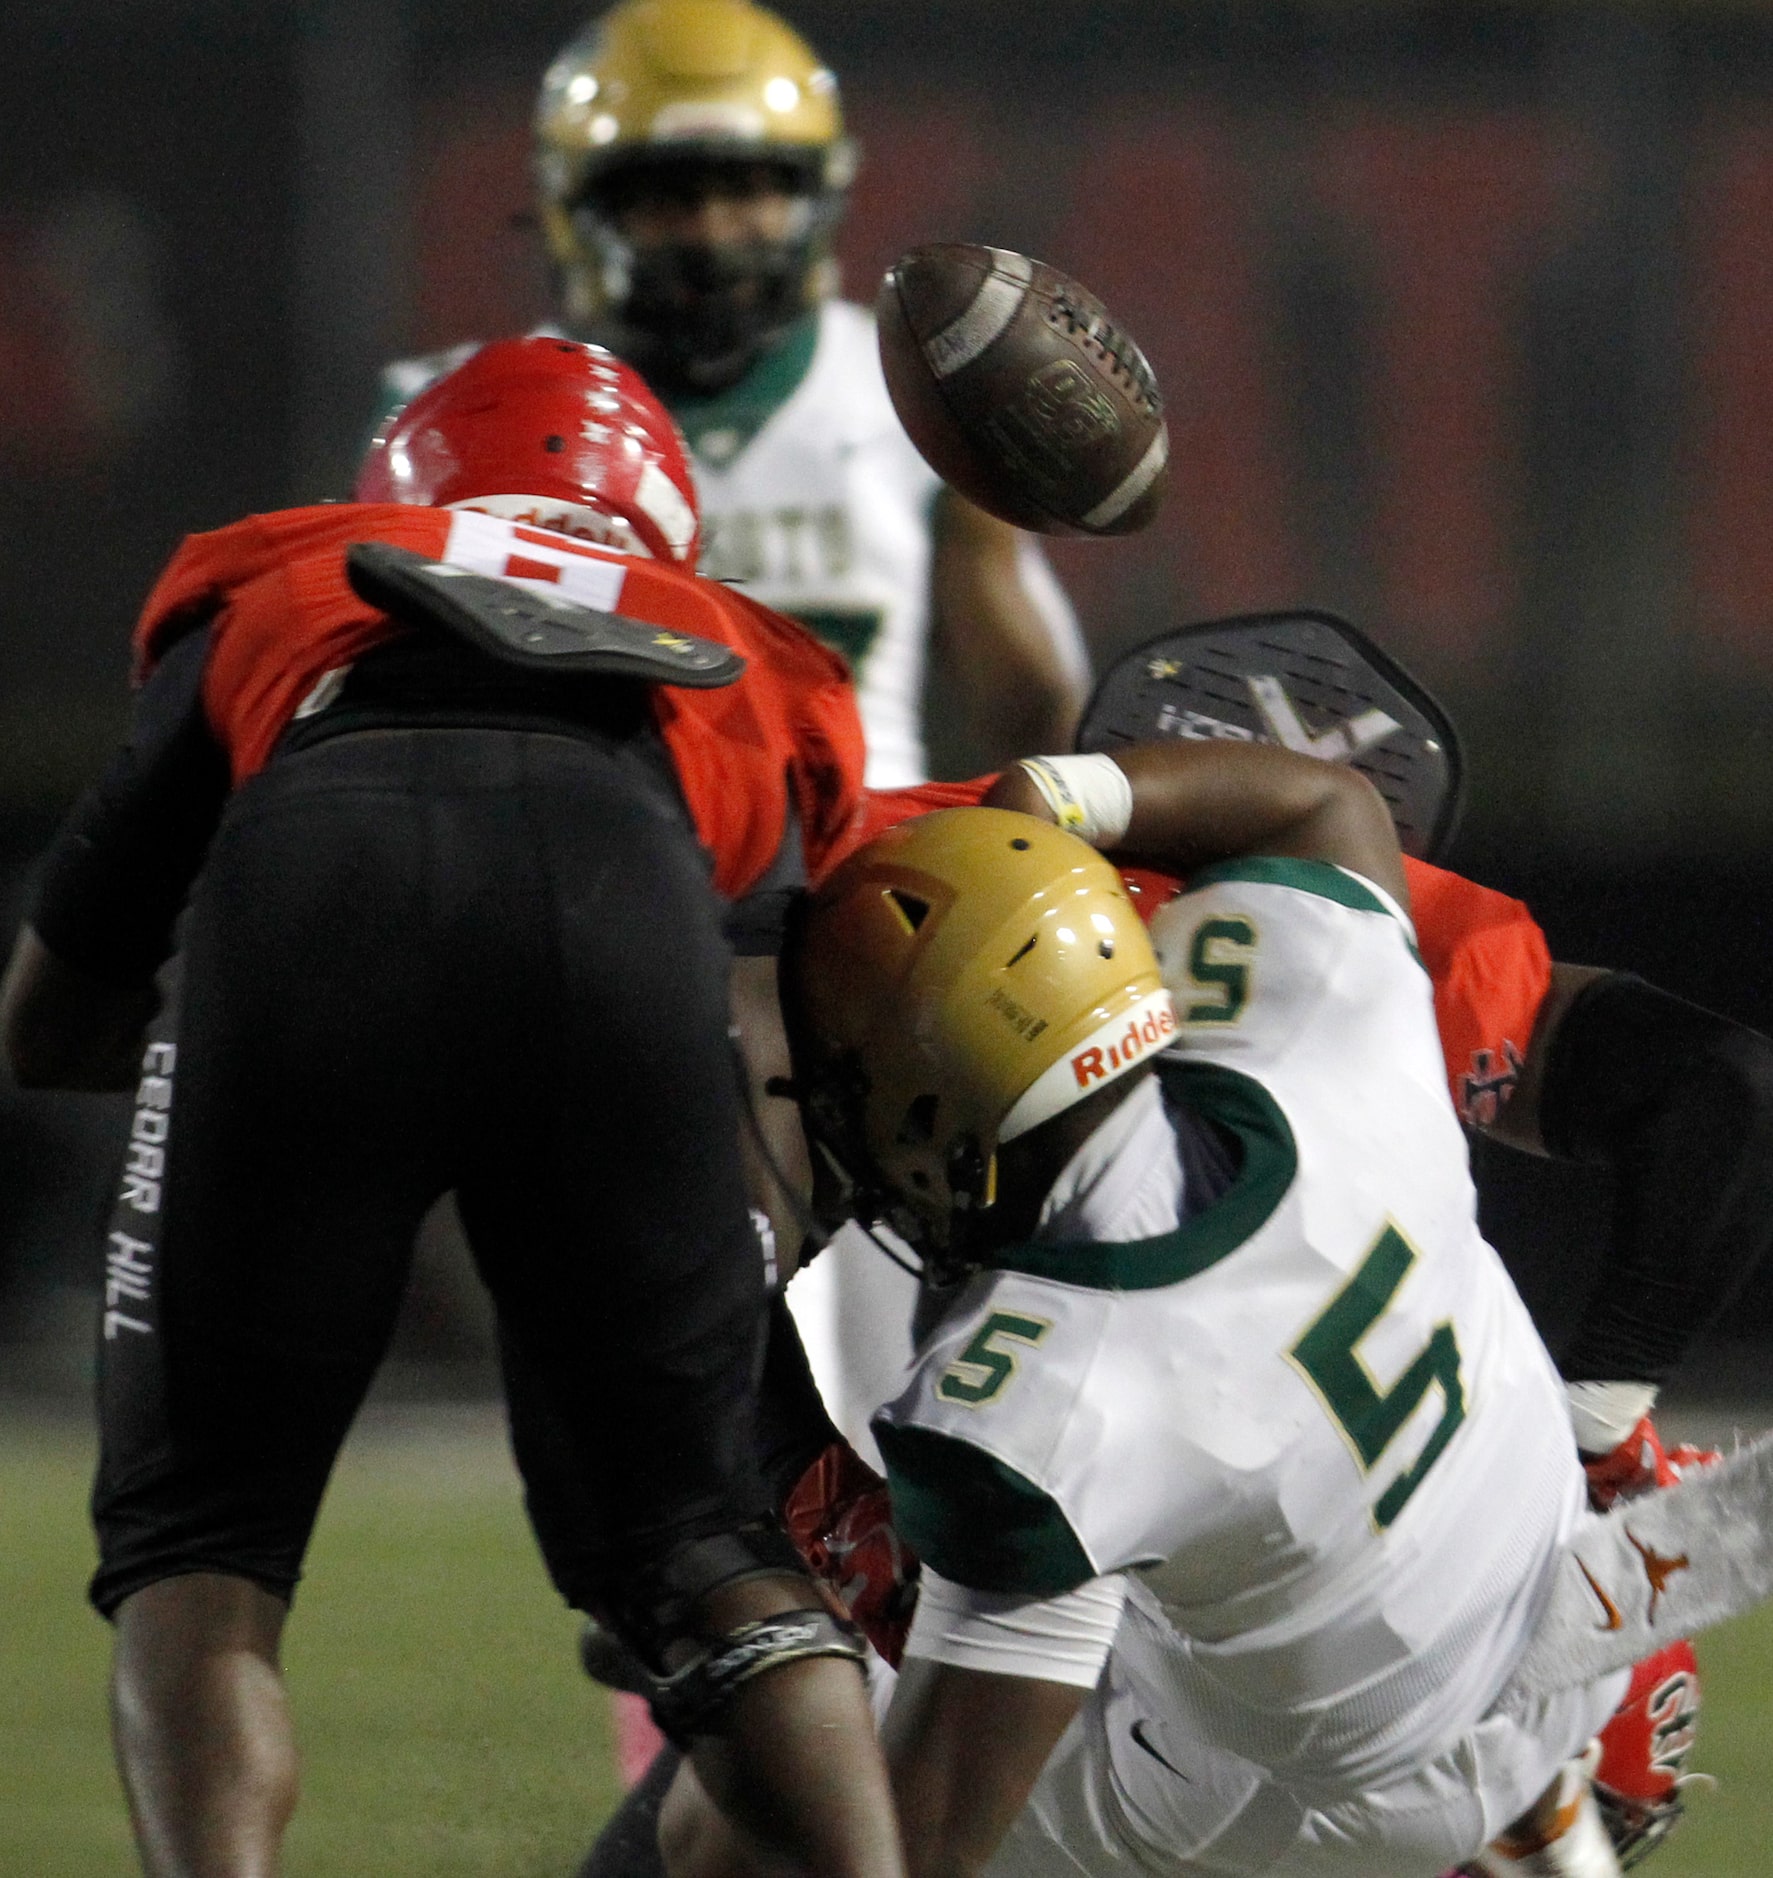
1462	314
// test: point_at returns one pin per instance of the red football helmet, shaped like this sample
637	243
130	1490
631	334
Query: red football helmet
561	435
1644	1749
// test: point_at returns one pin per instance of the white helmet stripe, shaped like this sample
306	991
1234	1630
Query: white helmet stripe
1122	1044
663	502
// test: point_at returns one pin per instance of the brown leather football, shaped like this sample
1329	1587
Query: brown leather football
1019	390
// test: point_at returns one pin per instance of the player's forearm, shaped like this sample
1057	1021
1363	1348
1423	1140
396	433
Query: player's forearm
1015	693
798	1775
1005	634
1195	803
965	1749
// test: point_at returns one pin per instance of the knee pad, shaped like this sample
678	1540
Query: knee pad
688	1673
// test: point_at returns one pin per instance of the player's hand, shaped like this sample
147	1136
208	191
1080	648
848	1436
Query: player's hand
1638	1465
840	1516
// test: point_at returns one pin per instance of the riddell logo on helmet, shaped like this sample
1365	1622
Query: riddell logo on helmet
581	524
1098	1062
1118	1046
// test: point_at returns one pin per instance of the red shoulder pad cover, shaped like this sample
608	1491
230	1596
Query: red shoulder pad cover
1491	969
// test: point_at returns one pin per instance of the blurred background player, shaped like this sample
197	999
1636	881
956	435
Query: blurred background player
691	170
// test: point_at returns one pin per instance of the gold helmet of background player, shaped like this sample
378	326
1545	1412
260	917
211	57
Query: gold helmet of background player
955	983
655	87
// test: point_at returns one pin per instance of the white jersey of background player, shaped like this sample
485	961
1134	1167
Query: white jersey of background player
1238	1470
691	170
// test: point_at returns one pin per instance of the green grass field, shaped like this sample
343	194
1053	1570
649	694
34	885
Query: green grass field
445	1728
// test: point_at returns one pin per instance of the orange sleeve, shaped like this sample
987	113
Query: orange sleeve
1491	969
789	724
881	809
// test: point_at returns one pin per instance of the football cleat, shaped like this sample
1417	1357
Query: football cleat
1644	1747
1643	1753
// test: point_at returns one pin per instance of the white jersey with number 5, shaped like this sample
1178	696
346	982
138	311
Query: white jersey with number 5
1313	1418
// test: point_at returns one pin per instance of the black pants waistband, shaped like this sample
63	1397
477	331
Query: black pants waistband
415	683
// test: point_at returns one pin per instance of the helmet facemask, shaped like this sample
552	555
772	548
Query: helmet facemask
657	97
939	1218
695	314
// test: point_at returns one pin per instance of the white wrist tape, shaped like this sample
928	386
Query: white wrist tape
1089	795
1604	1413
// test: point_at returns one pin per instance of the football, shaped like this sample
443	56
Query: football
1021	391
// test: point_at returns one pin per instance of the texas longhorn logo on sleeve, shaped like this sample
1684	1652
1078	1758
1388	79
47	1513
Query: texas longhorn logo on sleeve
1487	1085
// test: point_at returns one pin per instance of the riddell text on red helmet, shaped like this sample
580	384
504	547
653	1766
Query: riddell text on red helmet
1097	1062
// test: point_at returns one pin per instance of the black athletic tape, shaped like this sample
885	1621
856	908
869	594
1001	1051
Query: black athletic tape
659	1607
1678	1102
691	1701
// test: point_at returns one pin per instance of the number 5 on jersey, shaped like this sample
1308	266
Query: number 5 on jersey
1219	960
985	1366
1370	1418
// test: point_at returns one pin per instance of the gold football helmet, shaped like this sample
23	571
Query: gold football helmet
686	82
956	982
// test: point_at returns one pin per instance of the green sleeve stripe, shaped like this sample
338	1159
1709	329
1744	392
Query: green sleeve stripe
977	1521
1322	878
1269	1160
743	409
1273	870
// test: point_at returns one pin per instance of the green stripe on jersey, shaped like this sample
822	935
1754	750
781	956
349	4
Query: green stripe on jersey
1322	878
718	428
976	1520
1266	1168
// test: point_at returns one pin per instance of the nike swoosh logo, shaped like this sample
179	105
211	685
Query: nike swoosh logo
1614	1620
1139	1741
1341	743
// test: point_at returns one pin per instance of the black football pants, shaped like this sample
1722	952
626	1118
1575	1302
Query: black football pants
486	959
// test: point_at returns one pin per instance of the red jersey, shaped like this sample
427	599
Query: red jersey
1485	953
282	616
